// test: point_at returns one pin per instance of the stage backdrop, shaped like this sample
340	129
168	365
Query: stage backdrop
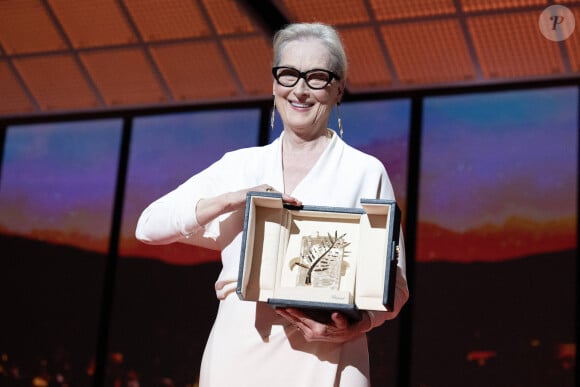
493	299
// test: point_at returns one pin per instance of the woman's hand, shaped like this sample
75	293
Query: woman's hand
238	198
211	208
285	198
338	330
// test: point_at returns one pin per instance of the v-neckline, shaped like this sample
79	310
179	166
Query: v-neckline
314	167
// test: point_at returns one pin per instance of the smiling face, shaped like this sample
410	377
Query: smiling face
303	110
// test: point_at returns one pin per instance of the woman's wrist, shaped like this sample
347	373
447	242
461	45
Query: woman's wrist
210	208
233	201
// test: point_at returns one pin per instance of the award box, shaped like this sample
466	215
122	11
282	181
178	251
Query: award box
319	259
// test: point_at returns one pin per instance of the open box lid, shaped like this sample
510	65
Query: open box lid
273	240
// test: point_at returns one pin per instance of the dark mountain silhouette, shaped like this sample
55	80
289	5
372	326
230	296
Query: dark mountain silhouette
520	310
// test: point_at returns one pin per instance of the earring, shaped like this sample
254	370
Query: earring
341	130
273	114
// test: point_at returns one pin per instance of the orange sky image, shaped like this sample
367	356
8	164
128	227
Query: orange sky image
516	238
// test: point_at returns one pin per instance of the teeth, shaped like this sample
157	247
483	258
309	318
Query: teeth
302	105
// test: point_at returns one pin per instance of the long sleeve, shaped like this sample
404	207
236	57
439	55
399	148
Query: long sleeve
172	218
169	218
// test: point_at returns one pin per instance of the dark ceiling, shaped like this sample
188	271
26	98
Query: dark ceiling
60	56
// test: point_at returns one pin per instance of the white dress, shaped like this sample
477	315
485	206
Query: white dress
249	344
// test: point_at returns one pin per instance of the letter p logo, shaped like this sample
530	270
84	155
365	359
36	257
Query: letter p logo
557	23
557	20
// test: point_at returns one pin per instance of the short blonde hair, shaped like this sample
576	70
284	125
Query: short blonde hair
302	31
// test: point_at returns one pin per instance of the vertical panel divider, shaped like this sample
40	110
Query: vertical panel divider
410	232
577	314
112	258
3	130
263	130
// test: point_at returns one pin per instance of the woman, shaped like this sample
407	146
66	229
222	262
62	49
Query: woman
251	344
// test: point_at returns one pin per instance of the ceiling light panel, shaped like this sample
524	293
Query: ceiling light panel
396	9
428	52
228	17
168	19
12	98
367	64
511	46
486	5
573	46
335	12
26	27
573	43
57	82
193	76
123	76
93	23
252	61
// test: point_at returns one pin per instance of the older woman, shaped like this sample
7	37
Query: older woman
250	343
